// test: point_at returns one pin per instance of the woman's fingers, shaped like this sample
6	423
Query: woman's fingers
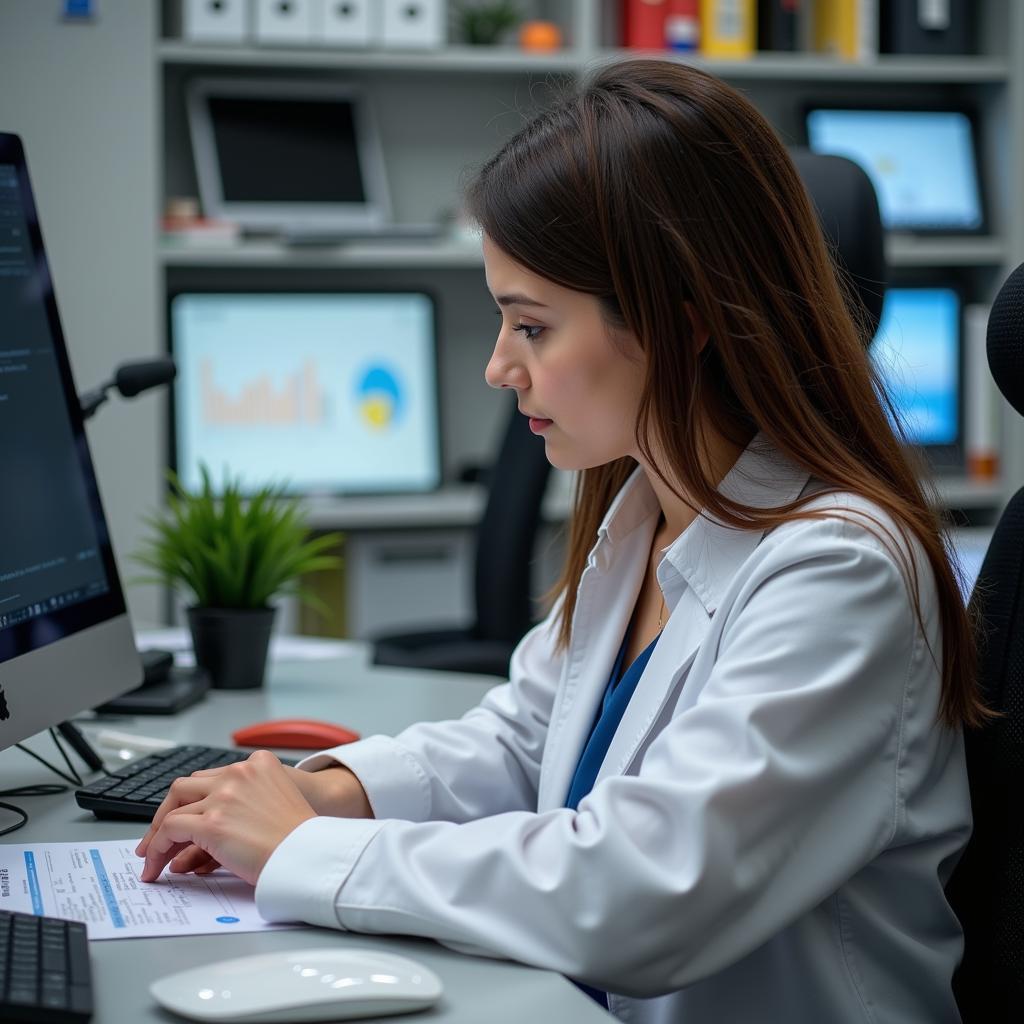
179	830
193	859
185	790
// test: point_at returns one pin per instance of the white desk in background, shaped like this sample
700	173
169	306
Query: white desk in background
340	689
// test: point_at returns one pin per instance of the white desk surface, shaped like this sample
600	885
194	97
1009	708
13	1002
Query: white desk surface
341	690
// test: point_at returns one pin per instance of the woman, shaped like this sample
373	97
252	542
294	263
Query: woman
726	779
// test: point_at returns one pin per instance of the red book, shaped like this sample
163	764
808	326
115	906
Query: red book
643	24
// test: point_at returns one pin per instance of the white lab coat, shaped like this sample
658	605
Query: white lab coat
771	828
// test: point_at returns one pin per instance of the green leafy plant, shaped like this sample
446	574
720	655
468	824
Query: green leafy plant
483	24
232	550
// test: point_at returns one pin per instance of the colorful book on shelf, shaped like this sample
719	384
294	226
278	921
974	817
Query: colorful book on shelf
847	29
682	26
779	24
728	28
926	27
643	24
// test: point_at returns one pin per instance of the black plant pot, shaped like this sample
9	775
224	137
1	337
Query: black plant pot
231	644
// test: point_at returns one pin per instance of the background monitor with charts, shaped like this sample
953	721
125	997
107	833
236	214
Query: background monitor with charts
922	162
323	392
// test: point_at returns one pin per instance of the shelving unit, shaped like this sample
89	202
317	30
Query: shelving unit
797	67
448	252
482	94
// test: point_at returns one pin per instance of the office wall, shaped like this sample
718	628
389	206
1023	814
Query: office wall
83	96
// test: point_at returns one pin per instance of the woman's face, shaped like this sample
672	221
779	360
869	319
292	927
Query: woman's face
579	382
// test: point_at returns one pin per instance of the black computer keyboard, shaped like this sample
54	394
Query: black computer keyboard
45	976
137	789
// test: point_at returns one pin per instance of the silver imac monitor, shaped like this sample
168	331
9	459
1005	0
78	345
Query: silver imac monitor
66	642
284	155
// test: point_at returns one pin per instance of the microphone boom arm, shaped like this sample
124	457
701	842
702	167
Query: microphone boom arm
130	379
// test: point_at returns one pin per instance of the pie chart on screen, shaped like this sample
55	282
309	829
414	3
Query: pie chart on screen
380	397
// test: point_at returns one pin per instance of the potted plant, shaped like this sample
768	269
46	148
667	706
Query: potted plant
484	22
232	553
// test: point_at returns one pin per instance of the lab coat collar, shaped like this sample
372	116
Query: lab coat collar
632	506
708	553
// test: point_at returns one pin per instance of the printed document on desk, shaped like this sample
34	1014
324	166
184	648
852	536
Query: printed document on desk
98	883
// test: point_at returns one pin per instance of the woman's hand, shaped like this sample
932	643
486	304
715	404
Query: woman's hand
236	816
333	791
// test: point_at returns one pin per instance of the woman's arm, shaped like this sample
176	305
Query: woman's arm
484	763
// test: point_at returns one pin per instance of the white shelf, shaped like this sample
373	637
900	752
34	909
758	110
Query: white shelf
795	67
910	251
441	253
455	505
495	59
448	506
800	67
900	251
961	492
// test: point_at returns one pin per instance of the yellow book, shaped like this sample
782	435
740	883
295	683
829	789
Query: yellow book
728	28
847	29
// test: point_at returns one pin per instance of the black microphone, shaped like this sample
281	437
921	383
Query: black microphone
133	378
130	379
1005	339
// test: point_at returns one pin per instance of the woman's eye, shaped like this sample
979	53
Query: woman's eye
530	331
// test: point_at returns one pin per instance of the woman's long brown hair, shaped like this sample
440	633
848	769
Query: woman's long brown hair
657	185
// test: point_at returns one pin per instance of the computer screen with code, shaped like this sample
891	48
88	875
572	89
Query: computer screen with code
66	640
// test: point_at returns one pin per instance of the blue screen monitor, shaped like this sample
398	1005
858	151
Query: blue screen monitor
324	393
922	163
917	351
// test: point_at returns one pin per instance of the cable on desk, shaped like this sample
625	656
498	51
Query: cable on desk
42	788
17	810
74	778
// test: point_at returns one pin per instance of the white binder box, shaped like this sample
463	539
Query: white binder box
212	21
284	21
347	22
414	24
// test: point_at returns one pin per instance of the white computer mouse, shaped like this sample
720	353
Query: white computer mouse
333	983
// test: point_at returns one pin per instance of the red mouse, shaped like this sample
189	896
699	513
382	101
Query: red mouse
294	733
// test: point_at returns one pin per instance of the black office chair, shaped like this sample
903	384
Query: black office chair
850	217
846	202
505	543
987	887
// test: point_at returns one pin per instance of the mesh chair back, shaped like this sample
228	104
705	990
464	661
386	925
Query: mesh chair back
852	223
508	532
987	888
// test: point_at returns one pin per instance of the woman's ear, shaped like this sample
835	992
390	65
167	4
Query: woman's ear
700	329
